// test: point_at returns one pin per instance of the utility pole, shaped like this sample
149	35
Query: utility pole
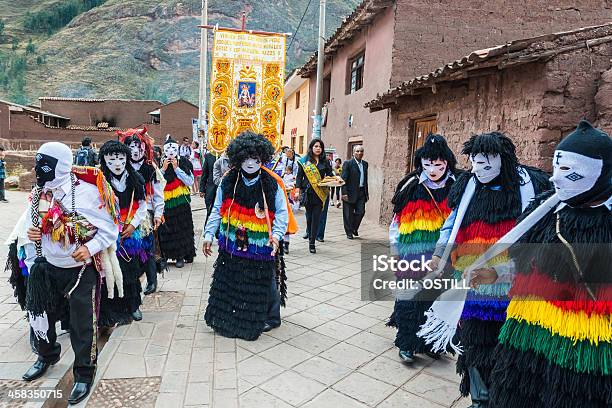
316	123
203	69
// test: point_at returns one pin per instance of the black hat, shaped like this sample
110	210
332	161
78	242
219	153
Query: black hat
594	144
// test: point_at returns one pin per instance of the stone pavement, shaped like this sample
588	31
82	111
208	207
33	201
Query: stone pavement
332	350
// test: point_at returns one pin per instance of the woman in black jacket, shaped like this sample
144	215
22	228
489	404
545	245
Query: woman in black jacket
313	168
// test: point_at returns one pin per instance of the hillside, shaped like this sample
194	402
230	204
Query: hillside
136	48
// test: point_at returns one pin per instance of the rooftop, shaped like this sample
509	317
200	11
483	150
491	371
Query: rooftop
352	25
59	98
491	60
32	109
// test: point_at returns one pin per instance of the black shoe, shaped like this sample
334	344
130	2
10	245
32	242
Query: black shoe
305	236
320	240
137	315
286	247
355	233
162	265
4	200
189	260
312	249
151	288
79	392
37	370
349	236
268	327
435	356
179	263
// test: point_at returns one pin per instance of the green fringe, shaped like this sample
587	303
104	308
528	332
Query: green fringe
177	201
582	356
419	236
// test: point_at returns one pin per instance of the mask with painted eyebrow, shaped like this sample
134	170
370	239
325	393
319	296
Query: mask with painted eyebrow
485	167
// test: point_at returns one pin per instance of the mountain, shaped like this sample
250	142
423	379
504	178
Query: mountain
140	49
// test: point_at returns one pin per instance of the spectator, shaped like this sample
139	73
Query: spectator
335	191
2	175
221	167
354	192
289	177
157	154
313	168
185	149
196	161
86	155
208	188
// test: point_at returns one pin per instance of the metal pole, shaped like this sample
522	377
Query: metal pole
316	123
203	68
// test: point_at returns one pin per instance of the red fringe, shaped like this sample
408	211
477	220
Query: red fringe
559	293
483	230
425	206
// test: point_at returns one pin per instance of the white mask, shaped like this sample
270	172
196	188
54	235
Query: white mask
434	169
116	163
137	151
171	150
250	166
485	167
574	173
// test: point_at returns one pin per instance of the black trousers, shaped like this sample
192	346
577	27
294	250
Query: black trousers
314	208
83	325
2	196
352	213
209	200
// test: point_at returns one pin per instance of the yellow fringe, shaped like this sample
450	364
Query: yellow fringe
463	262
237	222
577	326
177	192
420	224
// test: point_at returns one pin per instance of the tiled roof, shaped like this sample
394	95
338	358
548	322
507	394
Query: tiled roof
33	109
59	98
362	16
518	52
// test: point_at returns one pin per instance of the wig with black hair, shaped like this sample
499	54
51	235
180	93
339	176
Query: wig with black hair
134	179
492	144
310	153
249	145
435	148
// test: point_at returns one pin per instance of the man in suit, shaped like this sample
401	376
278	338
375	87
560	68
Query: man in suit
354	191
208	188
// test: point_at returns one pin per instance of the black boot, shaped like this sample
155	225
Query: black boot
151	288
79	392
312	249
478	389
151	277
137	315
179	263
286	247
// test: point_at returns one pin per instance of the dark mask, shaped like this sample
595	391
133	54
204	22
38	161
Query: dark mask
45	169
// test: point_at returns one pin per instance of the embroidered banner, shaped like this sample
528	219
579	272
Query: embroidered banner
246	87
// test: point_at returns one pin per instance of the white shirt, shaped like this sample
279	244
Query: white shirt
87	204
155	203
141	212
361	174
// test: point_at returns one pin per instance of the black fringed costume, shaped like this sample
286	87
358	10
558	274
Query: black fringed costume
240	290
176	236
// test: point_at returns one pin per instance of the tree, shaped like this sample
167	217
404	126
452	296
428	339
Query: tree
1	30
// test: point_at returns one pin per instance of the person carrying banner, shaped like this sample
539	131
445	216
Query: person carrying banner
485	204
420	209
555	345
252	211
62	255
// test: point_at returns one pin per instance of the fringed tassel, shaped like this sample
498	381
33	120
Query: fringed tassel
39	296
17	280
439	334
281	277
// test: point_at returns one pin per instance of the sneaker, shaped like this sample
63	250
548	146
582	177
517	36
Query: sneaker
406	356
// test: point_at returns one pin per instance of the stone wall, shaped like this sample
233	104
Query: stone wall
431	33
534	104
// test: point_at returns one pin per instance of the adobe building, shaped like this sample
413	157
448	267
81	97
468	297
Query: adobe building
295	124
174	118
534	90
386	42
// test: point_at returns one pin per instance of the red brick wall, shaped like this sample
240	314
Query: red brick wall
431	33
125	114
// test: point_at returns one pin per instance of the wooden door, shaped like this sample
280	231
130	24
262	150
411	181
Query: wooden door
422	128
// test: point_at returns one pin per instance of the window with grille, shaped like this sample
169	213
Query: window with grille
355	78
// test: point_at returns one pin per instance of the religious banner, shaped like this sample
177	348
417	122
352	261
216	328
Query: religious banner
246	86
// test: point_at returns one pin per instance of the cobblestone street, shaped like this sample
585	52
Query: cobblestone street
332	349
